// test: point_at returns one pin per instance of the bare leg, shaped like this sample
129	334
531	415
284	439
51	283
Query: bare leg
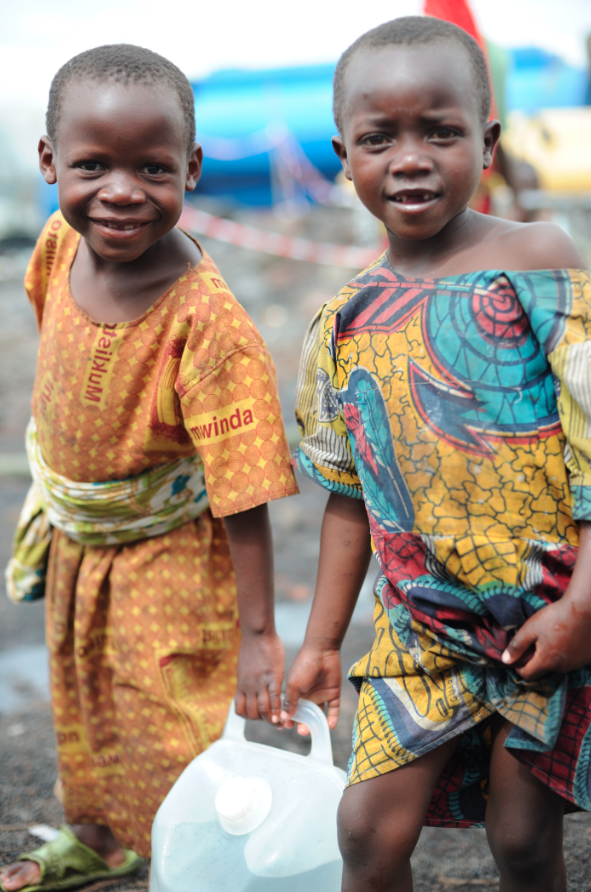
523	823
380	821
100	839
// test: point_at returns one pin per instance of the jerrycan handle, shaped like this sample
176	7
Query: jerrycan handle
307	713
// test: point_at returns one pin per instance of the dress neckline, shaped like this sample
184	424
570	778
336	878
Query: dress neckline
131	322
383	260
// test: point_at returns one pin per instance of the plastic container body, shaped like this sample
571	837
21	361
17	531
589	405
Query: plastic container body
201	838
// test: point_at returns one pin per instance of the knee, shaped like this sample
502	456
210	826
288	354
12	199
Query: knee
524	852
367	834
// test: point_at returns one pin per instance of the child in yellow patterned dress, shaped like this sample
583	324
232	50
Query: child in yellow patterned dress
156	442
444	402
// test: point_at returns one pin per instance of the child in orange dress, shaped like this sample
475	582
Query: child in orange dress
157	440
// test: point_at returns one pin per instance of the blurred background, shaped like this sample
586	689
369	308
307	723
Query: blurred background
262	76
287	232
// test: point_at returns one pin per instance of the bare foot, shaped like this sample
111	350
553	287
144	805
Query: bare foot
20	874
28	873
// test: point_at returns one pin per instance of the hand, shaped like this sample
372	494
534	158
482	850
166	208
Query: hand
261	665
316	675
558	636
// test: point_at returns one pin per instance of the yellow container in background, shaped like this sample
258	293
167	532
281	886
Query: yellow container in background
557	142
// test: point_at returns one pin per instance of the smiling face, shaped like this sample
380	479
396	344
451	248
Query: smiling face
121	165
413	142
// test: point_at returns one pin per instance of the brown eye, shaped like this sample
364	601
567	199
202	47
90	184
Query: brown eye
443	133
90	166
153	170
374	139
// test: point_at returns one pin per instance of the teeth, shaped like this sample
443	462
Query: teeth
124	228
405	197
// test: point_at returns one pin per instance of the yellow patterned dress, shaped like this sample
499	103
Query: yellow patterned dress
143	636
459	409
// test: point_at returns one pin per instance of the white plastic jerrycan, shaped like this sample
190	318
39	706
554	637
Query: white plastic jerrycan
244	817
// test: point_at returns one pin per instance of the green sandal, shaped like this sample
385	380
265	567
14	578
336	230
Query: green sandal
66	862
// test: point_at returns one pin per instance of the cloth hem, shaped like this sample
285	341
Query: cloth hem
547	780
290	491
581	493
456	732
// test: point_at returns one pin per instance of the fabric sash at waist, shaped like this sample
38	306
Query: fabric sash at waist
109	513
150	504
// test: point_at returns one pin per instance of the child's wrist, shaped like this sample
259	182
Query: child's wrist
579	601
322	644
257	632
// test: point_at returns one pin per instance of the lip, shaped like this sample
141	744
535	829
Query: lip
413	201
112	228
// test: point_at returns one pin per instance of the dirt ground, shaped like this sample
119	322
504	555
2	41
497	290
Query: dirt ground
281	295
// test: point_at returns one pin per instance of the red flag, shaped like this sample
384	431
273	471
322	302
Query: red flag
458	12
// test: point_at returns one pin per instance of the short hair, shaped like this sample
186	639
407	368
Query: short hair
121	63
415	30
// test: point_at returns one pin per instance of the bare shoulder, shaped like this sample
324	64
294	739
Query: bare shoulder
540	246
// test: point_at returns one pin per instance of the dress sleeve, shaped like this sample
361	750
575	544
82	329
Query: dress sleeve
42	260
234	418
324	453
559	308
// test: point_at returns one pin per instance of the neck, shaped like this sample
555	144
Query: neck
421	257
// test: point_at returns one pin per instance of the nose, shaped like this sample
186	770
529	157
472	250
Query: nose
121	189
411	160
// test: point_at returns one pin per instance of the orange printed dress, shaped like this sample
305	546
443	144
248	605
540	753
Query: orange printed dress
143	637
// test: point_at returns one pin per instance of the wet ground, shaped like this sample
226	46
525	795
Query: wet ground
281	295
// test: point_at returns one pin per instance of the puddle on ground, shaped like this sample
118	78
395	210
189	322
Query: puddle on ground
24	676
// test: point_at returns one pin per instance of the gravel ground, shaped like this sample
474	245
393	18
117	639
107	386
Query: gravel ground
281	295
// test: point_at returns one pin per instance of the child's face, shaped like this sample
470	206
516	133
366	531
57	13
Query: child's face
121	165
413	141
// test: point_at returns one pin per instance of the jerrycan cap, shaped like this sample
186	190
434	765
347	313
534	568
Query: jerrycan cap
242	803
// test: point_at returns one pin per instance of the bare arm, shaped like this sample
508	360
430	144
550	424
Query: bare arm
261	657
559	635
345	551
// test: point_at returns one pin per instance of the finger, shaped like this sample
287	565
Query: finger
535	667
290	700
275	701
263	705
521	641
252	707
303	730
332	713
240	704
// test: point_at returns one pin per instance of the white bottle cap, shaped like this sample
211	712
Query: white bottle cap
242	803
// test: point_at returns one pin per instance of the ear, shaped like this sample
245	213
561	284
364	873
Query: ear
492	132
47	160
340	150
194	167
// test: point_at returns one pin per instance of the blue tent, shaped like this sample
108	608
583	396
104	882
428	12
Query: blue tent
249	121
257	125
538	79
